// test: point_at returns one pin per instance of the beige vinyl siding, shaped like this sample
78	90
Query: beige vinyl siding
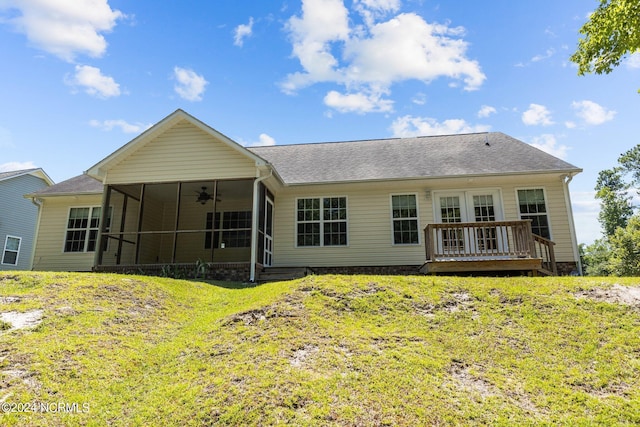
370	223
183	153
49	252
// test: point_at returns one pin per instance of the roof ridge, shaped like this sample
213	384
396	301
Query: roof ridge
372	140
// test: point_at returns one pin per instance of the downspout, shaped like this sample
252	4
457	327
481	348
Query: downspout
254	225
572	227
38	203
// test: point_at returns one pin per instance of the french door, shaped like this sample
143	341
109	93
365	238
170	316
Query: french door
469	206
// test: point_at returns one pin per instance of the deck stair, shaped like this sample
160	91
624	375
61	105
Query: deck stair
274	274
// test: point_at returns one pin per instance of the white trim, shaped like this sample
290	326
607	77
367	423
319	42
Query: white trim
6	240
466	211
416	195
99	170
546	205
572	227
87	229
321	221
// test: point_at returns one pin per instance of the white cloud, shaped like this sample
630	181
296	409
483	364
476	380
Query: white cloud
375	9
123	125
190	86
548	54
367	60
65	28
322	22
16	166
585	214
570	125
592	113
94	82
419	98
486	111
357	102
407	126
263	140
548	144
242	31
634	61
537	115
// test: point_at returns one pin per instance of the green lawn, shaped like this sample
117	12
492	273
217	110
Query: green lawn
324	350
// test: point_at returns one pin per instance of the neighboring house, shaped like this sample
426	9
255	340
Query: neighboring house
18	216
181	192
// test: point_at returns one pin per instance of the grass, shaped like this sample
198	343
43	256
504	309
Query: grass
324	350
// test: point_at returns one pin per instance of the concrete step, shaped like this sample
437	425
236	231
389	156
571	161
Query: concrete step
273	274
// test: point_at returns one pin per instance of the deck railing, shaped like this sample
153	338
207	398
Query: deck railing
488	240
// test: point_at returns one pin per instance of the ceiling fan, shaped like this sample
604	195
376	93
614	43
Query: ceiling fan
204	197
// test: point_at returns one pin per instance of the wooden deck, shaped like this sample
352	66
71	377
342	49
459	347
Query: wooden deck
487	247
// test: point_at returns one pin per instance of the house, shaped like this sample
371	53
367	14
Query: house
18	216
182	193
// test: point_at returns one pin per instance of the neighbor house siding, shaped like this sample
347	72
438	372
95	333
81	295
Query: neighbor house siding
52	228
370	223
18	216
183	153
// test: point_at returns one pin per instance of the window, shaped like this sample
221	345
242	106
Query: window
82	229
533	207
233	229
322	221
404	210
11	250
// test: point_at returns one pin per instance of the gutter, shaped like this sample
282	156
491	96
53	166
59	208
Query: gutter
571	172
38	203
572	227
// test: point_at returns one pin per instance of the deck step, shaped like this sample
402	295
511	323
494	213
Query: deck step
274	274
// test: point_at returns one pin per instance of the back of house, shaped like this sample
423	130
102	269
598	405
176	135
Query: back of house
182	194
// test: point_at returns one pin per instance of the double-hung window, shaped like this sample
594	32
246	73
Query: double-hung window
322	221
83	226
533	206
11	250
404	210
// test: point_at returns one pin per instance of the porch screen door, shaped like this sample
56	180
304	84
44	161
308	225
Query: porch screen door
476	206
268	232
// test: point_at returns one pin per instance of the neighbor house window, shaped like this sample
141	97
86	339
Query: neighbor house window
533	207
322	221
233	229
404	209
82	229
11	250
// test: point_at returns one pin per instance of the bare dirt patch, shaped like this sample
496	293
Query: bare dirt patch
617	294
28	319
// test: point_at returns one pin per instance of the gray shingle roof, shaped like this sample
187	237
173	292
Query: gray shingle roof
475	154
385	159
81	184
7	175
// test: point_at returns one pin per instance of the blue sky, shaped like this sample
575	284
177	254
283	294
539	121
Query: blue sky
80	78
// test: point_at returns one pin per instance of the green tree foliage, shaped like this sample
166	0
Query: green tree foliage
615	202
596	258
613	31
625	253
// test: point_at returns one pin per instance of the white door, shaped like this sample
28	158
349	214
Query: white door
469	206
268	232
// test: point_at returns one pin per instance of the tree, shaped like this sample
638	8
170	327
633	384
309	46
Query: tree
625	249
612	31
615	203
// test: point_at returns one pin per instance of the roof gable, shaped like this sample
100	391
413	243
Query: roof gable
178	117
476	154
37	172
